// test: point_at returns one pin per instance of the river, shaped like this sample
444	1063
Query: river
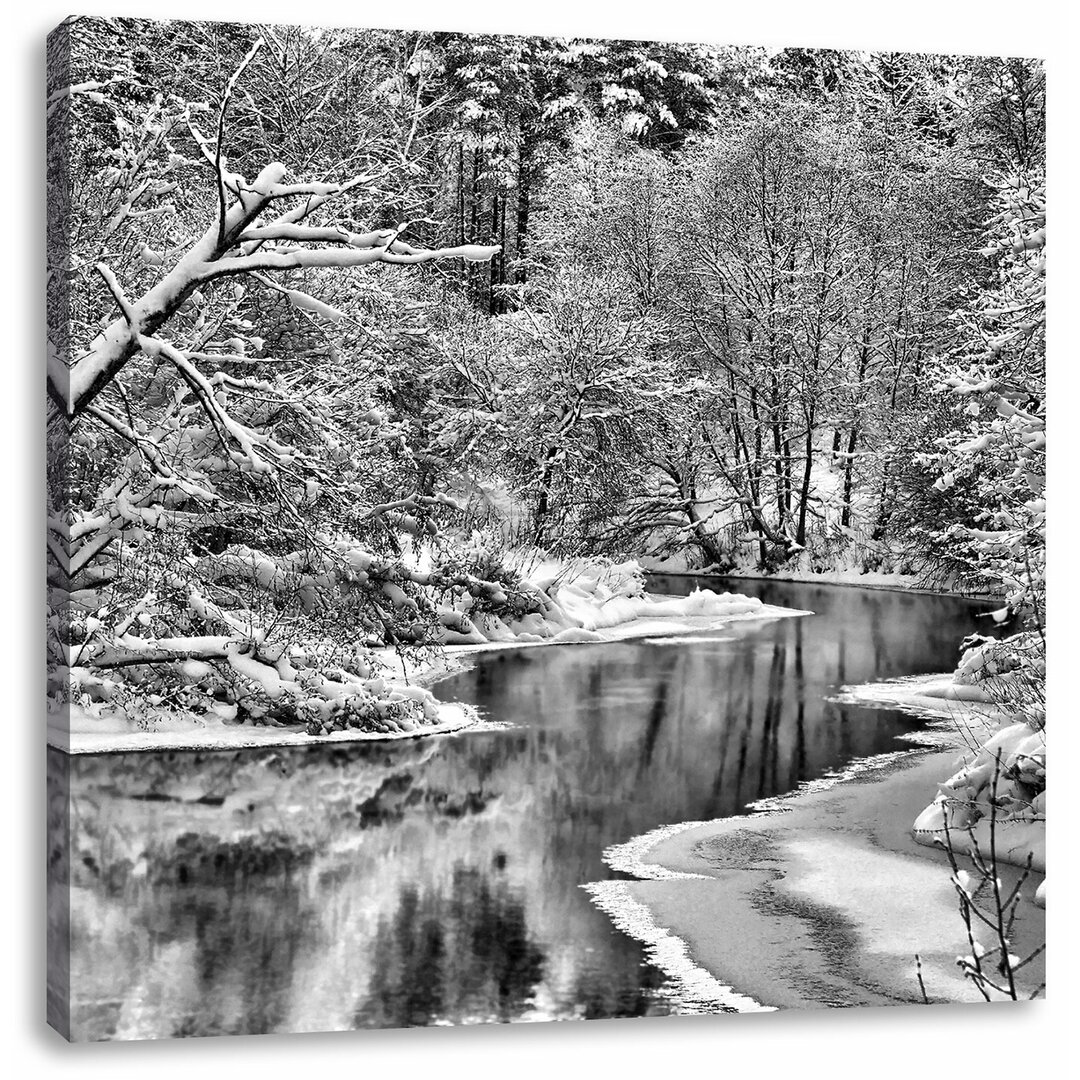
439	881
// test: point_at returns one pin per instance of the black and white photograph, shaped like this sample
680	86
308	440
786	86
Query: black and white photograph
539	528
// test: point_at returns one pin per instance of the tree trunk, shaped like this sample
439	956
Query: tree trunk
495	305
524	195
804	493
849	477
704	539
543	504
476	288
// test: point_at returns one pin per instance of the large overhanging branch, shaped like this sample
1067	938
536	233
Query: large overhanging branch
300	258
74	387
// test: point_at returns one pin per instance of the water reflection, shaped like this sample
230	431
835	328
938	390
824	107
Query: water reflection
427	882
422	975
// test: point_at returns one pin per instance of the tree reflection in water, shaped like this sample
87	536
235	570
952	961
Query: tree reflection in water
466	954
439	881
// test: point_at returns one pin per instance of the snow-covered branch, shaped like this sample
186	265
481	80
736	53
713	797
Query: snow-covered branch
74	387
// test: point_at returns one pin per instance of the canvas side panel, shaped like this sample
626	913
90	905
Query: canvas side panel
57	300
58	825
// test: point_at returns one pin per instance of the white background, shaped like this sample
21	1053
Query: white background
955	1043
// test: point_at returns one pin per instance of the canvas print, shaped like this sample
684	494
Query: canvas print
539	529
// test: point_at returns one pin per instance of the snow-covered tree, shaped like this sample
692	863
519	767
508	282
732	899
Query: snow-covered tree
994	375
225	527
998	380
995	454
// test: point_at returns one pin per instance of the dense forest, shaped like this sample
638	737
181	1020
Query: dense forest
353	333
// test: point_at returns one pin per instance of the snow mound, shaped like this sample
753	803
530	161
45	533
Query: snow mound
575	603
83	732
594	612
995	803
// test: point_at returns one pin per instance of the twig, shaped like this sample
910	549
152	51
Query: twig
218	163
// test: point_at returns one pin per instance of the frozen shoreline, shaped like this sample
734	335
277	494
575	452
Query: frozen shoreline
836	863
454	716
671	626
932	697
218	736
817	899
846	578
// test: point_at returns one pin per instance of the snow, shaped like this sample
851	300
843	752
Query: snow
675	623
79	732
264	676
677	567
688	639
599	602
1017	831
820	897
931	696
864	580
697	990
594	612
995	801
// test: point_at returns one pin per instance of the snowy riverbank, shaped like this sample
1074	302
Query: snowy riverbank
210	733
993	798
585	611
851	578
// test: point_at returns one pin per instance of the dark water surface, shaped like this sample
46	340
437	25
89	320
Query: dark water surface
438	880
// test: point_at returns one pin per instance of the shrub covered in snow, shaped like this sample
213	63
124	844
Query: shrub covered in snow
1001	785
999	451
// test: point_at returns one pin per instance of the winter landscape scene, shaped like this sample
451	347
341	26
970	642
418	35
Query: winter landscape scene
539	528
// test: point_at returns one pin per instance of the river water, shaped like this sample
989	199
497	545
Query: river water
438	880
